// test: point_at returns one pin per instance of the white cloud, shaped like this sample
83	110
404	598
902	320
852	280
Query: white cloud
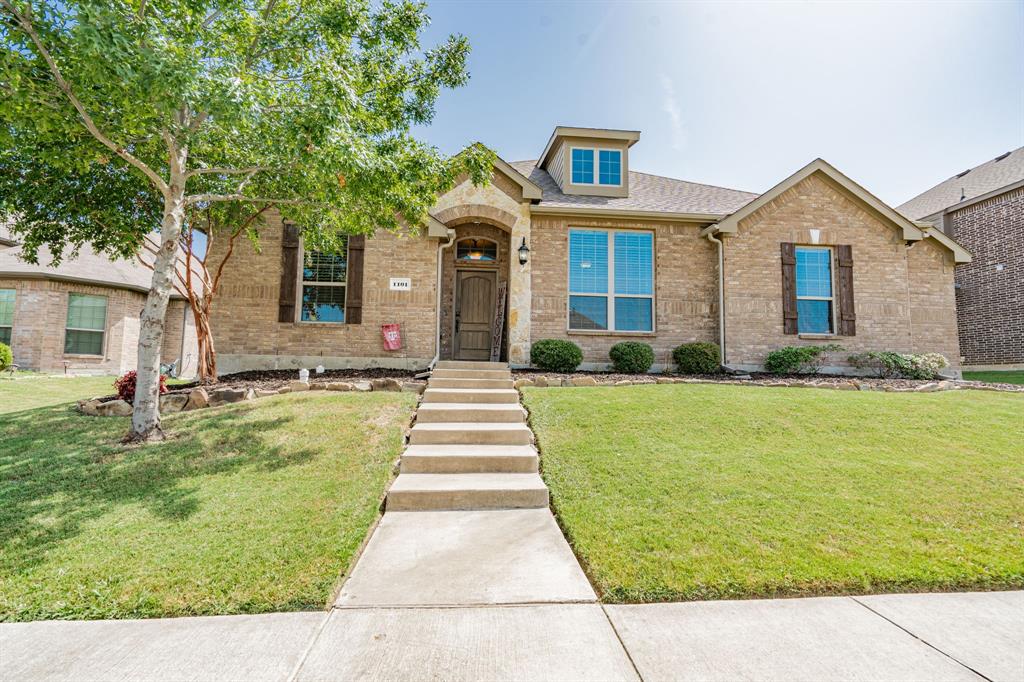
670	105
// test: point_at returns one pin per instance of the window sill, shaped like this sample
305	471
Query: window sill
84	356
606	332
818	337
313	323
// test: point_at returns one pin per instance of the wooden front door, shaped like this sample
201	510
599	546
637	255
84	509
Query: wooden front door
474	313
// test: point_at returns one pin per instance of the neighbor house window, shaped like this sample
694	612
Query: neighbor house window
814	290
87	319
6	315
324	280
609	166
611	280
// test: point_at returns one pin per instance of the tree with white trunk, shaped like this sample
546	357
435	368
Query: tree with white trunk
120	116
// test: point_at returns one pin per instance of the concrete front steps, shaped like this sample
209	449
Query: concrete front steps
470	447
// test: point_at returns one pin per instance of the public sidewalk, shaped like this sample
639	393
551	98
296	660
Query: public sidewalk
969	636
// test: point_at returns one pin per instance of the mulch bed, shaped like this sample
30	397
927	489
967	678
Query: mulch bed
277	378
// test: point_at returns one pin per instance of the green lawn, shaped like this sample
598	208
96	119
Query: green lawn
247	508
29	390
675	492
1005	377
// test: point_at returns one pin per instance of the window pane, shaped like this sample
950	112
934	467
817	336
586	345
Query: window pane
324	267
6	307
588	262
634	263
323	303
5	335
813	272
588	312
633	315
814	317
583	166
83	343
476	251
87	312
610	171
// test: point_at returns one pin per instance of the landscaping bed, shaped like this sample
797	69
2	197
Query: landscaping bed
708	491
256	507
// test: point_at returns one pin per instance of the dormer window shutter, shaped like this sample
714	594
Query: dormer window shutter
354	295
289	273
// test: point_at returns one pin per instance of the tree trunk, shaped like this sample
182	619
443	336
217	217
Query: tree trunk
207	366
146	408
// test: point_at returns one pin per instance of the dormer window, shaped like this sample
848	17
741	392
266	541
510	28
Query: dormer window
609	166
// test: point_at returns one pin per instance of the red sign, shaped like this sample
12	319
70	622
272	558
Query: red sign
392	336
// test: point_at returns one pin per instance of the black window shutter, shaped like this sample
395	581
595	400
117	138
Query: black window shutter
289	273
789	316
354	293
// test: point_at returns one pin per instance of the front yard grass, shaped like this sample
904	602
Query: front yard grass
997	376
29	390
679	492
247	508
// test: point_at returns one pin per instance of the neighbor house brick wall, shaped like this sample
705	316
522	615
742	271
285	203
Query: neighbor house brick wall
887	304
685	286
990	299
40	316
245	323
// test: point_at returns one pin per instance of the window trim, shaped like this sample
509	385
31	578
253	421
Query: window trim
832	287
597	166
14	308
300	271
611	295
477	263
103	331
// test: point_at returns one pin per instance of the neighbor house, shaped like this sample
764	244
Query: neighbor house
577	245
983	209
82	316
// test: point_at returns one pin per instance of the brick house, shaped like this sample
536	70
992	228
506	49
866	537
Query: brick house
82	317
576	245
983	209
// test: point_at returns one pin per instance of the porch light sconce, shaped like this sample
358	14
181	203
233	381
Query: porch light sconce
524	252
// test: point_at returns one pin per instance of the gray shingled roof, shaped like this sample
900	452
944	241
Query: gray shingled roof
987	177
88	267
646	193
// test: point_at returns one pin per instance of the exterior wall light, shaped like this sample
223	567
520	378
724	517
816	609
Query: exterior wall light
524	252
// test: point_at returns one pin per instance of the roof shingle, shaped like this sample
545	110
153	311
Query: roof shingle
988	177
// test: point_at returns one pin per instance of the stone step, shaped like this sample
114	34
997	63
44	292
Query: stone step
471	395
436	492
471	374
441	382
470	412
469	459
470	364
470	434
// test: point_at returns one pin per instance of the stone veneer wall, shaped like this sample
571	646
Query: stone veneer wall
685	287
248	335
903	298
990	298
40	316
469	230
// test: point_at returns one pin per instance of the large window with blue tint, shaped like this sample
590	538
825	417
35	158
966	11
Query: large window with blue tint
814	300
324	283
611	280
583	166
609	167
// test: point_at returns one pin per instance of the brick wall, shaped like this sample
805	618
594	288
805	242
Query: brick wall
685	289
990	298
903	298
40	316
248	336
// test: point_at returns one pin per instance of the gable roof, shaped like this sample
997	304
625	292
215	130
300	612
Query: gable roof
1004	170
630	137
647	193
911	230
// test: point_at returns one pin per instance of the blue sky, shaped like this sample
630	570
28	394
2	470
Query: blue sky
898	96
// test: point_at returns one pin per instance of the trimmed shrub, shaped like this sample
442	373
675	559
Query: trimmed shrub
798	359
555	355
888	364
631	357
700	357
125	386
6	357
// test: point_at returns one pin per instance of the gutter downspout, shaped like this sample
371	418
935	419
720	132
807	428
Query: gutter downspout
437	329
721	294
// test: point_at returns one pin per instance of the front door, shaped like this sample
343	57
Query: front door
474	312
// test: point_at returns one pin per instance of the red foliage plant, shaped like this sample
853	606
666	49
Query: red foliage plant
125	386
